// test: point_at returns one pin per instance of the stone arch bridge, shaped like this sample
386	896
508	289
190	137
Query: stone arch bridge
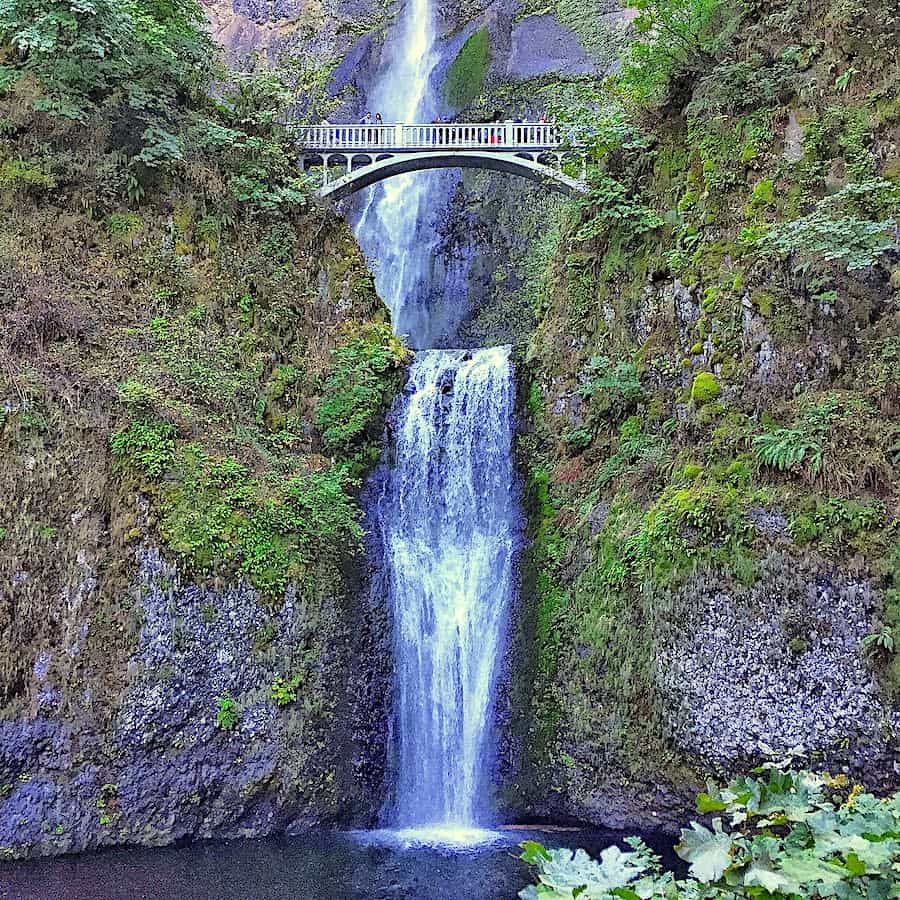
368	154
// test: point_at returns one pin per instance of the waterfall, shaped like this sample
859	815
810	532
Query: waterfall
448	527
442	516
396	222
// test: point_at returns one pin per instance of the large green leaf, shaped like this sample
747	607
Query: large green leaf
762	872
708	852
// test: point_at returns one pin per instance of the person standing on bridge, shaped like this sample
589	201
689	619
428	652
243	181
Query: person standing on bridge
367	120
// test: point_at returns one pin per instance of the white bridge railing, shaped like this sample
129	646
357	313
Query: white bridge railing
515	136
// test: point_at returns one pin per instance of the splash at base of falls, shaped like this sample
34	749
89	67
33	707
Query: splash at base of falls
440	836
448	527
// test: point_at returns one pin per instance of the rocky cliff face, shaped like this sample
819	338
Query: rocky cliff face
704	597
186	646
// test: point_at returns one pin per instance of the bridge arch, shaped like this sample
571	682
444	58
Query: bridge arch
512	164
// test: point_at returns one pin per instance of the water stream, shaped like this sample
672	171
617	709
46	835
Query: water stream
446	514
397	221
448	530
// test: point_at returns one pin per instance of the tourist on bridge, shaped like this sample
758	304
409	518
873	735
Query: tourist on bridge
367	120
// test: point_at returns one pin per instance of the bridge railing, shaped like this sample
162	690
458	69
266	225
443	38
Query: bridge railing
457	135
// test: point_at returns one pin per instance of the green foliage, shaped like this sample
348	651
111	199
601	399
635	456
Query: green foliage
790	834
837	439
703	523
20	174
612	389
635	446
217	516
882	641
122	224
83	51
837	525
356	391
673	36
705	388
228	713
148	445
786	449
839	229
613	205
284	690
465	77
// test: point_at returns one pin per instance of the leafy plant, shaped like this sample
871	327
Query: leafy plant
148	445
839	229
216	516
673	36
284	690
611	388
884	640
788	834
82	51
613	204
228	713
787	448
356	390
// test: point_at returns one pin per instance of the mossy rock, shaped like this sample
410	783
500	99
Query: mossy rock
465	77
705	388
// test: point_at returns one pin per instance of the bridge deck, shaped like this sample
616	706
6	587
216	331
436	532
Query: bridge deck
506	137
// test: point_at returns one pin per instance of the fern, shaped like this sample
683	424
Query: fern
787	448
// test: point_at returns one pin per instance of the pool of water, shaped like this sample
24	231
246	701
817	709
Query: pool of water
319	866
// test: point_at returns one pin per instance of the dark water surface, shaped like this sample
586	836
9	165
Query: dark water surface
319	866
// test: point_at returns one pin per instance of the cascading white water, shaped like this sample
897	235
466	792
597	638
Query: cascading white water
447	517
445	514
395	224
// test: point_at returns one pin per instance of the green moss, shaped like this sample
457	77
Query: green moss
356	391
705	388
17	173
763	194
220	518
465	77
764	302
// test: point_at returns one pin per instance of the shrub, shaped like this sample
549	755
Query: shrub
613	204
786	449
81	53
284	690
854	227
789	834
357	391
17	173
611	388
122	225
147	445
836	439
673	36
465	76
